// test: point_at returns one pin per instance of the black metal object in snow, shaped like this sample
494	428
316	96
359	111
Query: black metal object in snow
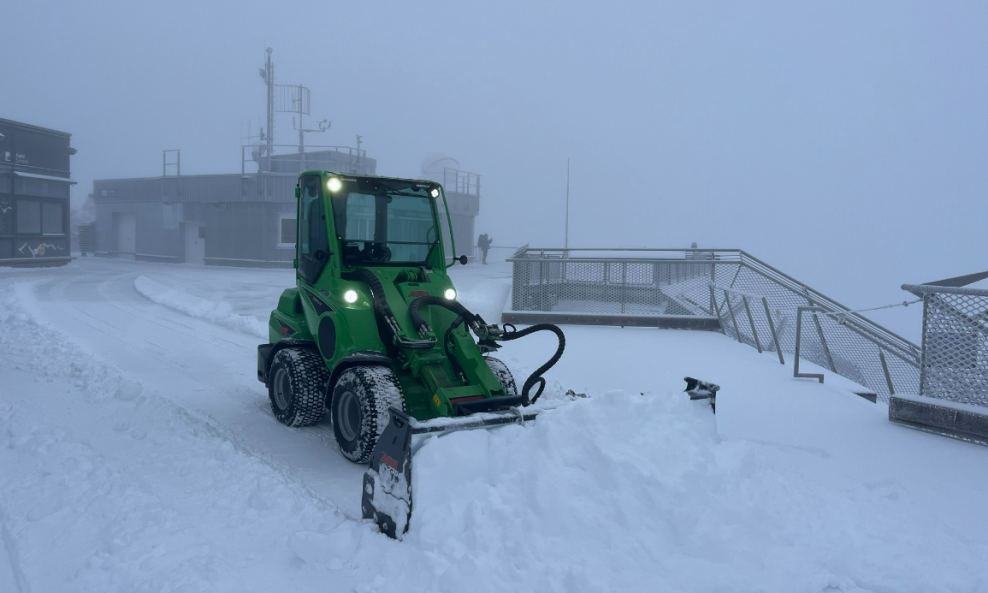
698	390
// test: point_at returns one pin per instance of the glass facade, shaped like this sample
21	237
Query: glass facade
52	218
28	217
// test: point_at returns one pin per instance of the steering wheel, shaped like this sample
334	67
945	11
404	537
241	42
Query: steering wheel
378	252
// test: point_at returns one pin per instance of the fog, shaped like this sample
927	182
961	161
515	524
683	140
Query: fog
841	142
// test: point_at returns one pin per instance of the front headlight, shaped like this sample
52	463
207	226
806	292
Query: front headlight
350	296
450	294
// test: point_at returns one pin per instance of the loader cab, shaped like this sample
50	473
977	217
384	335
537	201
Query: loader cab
349	222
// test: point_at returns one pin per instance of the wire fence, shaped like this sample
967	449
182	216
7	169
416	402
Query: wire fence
955	343
744	297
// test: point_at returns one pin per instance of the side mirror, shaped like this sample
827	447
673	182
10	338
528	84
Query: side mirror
298	192
462	259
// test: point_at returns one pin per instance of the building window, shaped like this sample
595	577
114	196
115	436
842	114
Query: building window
28	217
52	218
287	228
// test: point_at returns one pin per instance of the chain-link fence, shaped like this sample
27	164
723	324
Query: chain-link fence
725	289
955	343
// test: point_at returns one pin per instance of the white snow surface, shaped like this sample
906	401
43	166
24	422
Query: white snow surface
138	453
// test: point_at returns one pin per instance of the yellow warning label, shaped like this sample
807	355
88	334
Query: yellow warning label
435	400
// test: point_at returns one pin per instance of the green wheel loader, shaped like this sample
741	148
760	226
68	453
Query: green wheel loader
373	333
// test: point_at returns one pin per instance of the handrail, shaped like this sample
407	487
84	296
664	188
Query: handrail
921	289
558	282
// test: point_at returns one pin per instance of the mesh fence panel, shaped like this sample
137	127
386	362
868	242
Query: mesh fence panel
670	282
955	344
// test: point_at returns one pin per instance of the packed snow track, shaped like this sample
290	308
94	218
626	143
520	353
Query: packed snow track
138	452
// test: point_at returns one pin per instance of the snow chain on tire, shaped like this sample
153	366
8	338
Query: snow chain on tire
503	374
298	386
373	390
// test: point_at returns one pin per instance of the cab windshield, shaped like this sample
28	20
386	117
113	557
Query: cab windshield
382	222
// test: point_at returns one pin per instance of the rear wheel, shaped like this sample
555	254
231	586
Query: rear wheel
297	388
504	376
361	399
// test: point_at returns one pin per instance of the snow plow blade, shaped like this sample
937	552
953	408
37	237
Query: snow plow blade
387	488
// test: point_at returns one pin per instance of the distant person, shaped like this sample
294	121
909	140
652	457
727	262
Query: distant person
484	242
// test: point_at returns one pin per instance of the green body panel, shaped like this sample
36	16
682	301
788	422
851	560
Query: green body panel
428	378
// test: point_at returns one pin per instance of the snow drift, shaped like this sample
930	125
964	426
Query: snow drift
219	313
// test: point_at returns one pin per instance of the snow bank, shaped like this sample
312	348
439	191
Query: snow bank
220	313
27	344
637	493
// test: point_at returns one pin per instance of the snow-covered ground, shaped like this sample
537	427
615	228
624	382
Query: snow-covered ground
138	453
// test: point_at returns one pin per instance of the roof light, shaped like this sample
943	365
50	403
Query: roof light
334	184
435	193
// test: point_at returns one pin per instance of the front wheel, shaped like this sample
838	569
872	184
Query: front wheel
361	400
297	388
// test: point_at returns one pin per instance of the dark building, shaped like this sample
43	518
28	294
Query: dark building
245	219
34	195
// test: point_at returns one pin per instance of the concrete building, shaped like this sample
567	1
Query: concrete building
34	195
245	219
241	219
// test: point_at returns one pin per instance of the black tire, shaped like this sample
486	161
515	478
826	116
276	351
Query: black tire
361	399
504	376
297	388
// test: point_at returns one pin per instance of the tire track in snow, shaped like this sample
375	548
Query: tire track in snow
13	554
192	370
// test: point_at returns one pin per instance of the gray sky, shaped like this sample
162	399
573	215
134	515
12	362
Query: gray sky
842	142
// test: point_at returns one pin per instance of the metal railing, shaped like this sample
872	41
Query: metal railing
496	254
955	343
730	324
293	162
462	182
716	289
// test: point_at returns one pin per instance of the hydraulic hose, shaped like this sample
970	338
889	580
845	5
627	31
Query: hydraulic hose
536	377
381	307
421	326
463	314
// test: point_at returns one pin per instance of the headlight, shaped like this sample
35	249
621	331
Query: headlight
334	184
450	294
435	193
350	296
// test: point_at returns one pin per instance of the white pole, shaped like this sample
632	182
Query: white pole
566	241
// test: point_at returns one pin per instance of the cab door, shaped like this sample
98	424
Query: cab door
313	254
313	238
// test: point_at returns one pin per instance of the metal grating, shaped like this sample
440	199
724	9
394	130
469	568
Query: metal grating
955	343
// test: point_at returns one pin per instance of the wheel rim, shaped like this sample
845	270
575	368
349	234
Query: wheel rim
282	389
349	416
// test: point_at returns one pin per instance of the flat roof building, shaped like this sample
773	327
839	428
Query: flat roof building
34	195
245	219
